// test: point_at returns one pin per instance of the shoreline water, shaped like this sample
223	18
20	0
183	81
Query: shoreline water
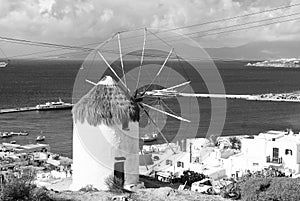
28	83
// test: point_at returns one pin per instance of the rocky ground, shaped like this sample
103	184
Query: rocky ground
149	194
154	191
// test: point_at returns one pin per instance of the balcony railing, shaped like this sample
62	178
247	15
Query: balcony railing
274	160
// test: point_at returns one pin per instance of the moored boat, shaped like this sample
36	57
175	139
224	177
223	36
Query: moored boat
6	135
21	133
54	105
149	137
40	138
3	64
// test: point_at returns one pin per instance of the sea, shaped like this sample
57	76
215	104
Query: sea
31	82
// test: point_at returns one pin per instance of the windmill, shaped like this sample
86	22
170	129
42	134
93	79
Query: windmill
150	71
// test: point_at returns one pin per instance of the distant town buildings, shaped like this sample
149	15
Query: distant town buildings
284	63
278	150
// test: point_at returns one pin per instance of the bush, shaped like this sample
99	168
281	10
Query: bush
114	184
15	189
190	177
23	189
231	191
252	188
40	194
89	188
273	189
235	143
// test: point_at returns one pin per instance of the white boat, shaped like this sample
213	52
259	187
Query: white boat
40	138
149	137
54	105
3	64
6	135
21	133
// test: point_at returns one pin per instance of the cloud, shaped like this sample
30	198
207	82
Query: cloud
76	20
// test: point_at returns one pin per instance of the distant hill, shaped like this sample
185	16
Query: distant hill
258	51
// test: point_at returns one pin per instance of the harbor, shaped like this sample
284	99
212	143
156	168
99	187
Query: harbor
282	97
47	106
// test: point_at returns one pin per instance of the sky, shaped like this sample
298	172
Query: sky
84	21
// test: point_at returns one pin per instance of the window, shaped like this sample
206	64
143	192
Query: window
288	152
125	124
275	153
169	162
196	160
180	164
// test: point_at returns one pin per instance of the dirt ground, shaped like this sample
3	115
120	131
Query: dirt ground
155	191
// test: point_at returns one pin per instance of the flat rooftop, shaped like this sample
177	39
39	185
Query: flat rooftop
32	146
273	132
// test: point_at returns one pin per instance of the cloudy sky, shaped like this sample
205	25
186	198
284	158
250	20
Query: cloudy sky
84	21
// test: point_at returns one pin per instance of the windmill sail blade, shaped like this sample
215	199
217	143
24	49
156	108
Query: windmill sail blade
153	122
142	59
121	58
176	86
90	82
158	73
166	113
113	71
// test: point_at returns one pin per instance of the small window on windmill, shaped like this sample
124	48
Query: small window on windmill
125	124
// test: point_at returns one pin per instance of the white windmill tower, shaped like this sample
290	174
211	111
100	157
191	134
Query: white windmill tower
106	128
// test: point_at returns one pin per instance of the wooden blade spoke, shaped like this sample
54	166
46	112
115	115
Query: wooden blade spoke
166	113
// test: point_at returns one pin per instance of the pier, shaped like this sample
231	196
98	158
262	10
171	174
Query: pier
28	109
18	109
288	97
215	96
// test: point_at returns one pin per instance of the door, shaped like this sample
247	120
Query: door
119	170
275	154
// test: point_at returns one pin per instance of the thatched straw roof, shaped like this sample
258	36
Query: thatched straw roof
106	103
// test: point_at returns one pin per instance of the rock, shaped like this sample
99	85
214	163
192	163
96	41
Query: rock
163	192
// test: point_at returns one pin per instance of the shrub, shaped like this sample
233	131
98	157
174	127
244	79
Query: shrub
40	194
190	177
23	189
235	143
114	184
15	189
89	188
273	189
252	188
231	191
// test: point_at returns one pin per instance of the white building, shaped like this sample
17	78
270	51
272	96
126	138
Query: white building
277	149
196	156
105	137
